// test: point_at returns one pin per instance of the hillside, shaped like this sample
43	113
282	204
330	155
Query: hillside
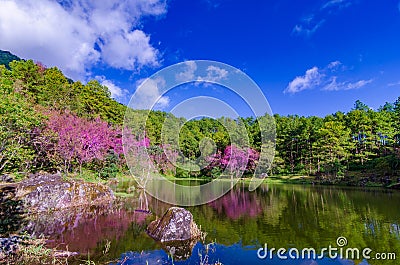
50	123
6	57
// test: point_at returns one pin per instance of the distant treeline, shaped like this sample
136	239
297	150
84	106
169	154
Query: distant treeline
48	122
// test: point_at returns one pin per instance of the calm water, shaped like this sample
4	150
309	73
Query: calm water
283	216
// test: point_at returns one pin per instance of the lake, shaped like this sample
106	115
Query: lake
238	225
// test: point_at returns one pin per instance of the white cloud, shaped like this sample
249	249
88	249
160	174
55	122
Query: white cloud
129	51
212	3
358	84
311	79
76	34
337	3
307	29
148	94
333	85
214	74
325	79
163	102
394	84
334	64
188	73
116	91
310	23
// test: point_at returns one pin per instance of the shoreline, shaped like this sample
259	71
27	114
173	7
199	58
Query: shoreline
308	180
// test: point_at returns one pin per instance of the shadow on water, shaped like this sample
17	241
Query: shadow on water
11	211
237	224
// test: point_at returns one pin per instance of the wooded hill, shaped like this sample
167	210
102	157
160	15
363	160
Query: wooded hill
49	122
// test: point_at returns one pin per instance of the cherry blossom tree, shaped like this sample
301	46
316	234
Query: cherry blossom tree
234	159
80	140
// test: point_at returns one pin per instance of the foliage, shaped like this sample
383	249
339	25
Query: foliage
37	106
6	57
18	119
78	140
48	122
337	143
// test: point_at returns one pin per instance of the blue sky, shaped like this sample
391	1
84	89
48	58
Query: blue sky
308	57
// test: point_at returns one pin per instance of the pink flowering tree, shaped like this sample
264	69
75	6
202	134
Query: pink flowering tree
214	167
235	160
137	154
80	141
254	156
164	156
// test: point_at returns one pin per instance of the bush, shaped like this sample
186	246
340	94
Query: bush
182	173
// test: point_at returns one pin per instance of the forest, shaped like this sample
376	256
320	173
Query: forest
51	123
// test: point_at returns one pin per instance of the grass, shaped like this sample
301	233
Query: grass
290	179
125	194
352	178
87	176
270	179
34	251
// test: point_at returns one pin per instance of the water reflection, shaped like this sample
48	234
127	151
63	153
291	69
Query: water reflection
11	210
240	222
179	250
238	203
185	194
81	229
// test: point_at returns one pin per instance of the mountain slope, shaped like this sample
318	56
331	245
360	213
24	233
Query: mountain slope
6	57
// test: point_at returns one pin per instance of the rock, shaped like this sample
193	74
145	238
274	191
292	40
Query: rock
47	192
177	232
176	225
180	250
6	178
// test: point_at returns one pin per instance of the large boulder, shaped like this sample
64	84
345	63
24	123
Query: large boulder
179	250
176	225
48	192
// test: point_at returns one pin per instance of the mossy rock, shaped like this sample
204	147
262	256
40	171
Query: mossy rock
47	192
176	225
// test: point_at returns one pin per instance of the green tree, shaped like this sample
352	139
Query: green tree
6	58
360	124
56	92
27	78
358	105
333	147
18	121
396	122
95	101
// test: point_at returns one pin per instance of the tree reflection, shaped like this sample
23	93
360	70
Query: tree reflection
238	203
281	215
